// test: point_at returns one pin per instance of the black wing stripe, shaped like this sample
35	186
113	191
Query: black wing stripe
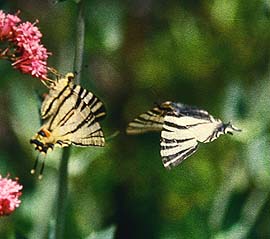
58	109
176	155
193	125
90	119
79	99
156	111
173	143
142	120
90	144
90	100
178	158
178	141
94	132
173	125
96	106
83	106
56	98
66	117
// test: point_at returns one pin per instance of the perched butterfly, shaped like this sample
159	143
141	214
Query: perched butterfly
182	128
70	115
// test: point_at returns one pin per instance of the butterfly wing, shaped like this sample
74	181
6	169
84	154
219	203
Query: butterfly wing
186	110
184	128
75	122
89	100
53	99
201	123
64	87
177	141
81	129
151	120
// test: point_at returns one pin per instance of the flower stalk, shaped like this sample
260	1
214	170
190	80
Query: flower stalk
79	48
63	174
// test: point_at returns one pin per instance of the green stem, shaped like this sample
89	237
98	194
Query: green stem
79	48
63	171
62	195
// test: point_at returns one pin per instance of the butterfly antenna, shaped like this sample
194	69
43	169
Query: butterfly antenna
233	127
52	70
33	170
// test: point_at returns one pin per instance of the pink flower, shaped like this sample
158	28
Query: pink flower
9	195
26	34
33	60
7	23
25	49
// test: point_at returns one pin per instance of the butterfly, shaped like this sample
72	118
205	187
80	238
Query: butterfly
70	115
182	129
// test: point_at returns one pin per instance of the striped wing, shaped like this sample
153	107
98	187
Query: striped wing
151	120
186	110
64	87
181	134
71	114
177	142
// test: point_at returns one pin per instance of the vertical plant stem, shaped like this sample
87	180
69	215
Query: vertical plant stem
63	172
62	195
79	48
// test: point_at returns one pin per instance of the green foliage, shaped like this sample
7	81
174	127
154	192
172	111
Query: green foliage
211	54
104	234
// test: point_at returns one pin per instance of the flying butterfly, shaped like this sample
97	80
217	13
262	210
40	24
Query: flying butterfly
182	128
70	115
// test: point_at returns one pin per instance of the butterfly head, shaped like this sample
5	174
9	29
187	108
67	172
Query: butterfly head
70	76
65	80
229	128
42	141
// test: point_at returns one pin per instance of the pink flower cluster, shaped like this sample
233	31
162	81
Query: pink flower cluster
9	195
25	49
7	22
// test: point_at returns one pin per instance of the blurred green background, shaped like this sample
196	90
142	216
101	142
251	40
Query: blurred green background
211	54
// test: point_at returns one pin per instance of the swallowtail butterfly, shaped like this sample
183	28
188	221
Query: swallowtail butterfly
70	115
182	128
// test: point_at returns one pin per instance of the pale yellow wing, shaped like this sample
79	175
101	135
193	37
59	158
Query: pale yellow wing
151	120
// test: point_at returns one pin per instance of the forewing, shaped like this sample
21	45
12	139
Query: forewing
151	120
186	110
204	129
177	141
64	87
207	131
53	99
90	100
